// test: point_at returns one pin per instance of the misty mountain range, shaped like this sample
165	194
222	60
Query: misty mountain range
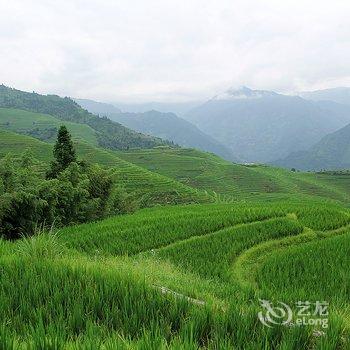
339	95
259	126
262	126
178	108
167	126
333	150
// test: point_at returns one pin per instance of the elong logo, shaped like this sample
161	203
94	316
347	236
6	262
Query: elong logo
308	314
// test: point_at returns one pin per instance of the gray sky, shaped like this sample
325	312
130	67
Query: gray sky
165	50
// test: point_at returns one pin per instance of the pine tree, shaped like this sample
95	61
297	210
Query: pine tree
63	152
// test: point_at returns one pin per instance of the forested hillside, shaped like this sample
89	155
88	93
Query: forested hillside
109	134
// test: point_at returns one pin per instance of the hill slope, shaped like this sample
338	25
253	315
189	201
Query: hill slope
148	187
43	126
332	152
189	168
109	134
230	182
167	126
101	108
185	175
262	126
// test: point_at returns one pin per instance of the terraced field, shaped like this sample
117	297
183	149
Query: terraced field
29	123
12	143
230	181
189	276
148	187
222	180
183	277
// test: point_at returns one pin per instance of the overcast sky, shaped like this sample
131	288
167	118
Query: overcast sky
162	50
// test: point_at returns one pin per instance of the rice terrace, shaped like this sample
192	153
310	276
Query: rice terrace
163	247
100	284
175	175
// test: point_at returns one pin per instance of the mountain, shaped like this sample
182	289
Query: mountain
94	107
339	95
332	152
167	126
262	126
109	133
179	108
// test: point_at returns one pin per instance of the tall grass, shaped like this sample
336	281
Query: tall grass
212	256
44	244
59	292
53	303
149	230
316	270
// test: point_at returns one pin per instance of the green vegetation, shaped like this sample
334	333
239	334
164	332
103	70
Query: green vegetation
170	127
64	153
331	152
162	228
223	246
109	134
76	274
223	180
11	143
228	181
146	187
72	192
43	126
297	265
99	285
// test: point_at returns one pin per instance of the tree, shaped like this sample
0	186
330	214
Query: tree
8	173
100	186
20	212
63	152
81	192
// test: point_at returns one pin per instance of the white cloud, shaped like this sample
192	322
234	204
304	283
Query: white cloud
172	49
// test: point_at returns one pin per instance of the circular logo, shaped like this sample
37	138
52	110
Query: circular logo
274	315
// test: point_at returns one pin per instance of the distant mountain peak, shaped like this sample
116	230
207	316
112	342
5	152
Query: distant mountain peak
338	95
243	92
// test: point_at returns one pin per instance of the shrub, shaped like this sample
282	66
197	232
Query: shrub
79	193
